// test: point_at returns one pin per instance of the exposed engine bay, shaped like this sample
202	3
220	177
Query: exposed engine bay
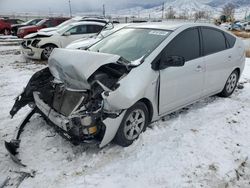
77	114
83	109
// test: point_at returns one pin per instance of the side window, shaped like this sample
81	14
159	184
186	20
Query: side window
230	39
186	44
213	41
94	28
77	30
48	23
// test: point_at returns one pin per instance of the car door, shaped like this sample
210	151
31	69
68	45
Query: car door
182	85
77	32
217	59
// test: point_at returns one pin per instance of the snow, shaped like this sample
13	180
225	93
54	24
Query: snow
206	144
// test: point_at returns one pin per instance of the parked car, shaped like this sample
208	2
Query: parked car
137	75
50	22
40	45
5	27
247	28
15	27
75	19
84	43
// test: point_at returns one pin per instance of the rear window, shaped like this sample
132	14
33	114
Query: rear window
230	39
213	41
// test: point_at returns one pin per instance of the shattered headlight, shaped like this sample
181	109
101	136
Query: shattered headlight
35	43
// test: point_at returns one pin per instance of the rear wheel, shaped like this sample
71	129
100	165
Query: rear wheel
230	84
133	124
47	51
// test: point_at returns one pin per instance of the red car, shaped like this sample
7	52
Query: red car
5	25
50	22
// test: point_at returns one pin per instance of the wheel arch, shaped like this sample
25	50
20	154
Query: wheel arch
48	44
238	71
149	106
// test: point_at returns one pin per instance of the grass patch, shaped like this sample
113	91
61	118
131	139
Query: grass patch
248	53
242	34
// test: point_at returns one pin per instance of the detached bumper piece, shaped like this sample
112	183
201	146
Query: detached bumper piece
14	144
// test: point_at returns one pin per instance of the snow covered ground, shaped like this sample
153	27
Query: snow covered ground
204	145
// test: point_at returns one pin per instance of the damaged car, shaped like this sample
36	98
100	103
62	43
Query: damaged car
40	45
113	90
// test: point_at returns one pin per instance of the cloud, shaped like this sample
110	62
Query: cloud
61	6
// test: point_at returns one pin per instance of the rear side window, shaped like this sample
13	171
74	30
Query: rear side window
186	44
213	41
48	23
77	30
230	39
94	28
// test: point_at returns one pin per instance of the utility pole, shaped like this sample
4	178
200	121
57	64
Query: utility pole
103	10
163	10
70	11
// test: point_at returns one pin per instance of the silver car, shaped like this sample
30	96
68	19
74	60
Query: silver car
114	89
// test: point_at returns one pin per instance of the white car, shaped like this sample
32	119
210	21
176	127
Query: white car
39	45
247	27
86	42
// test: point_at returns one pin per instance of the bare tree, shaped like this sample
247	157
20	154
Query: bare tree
170	14
229	10
200	14
184	15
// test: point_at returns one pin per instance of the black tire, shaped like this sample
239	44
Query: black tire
230	85
128	126
47	51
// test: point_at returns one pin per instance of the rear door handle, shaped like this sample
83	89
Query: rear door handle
198	68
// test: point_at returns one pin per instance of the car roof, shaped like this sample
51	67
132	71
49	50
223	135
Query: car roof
169	25
87	23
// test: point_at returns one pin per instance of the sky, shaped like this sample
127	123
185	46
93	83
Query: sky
12	6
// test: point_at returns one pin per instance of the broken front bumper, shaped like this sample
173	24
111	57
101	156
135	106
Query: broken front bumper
30	51
111	124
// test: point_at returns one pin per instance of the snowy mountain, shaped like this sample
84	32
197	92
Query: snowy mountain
178	6
190	7
237	3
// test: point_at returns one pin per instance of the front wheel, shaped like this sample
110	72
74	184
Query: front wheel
47	51
230	84
133	124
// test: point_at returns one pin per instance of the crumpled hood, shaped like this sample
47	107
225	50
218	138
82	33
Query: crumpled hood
74	67
40	34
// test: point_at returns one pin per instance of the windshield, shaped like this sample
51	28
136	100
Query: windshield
66	23
131	43
41	22
63	29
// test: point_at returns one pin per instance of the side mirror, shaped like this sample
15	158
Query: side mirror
172	61
67	34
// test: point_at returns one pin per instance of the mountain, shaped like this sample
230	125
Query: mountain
237	3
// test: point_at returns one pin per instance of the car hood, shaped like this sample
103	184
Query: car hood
48	29
74	67
82	43
18	25
40	34
30	27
